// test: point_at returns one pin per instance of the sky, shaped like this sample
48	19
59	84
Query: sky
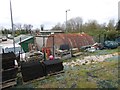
51	12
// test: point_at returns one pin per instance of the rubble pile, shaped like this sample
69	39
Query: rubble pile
89	59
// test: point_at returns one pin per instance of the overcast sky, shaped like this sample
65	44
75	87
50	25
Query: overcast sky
50	12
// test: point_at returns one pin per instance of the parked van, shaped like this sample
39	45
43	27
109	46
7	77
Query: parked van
6	48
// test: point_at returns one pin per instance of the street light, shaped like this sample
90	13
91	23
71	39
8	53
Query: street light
66	18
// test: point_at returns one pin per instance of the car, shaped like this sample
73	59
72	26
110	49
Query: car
6	48
111	44
4	38
118	40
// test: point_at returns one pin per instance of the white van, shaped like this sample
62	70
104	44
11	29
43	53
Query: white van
10	48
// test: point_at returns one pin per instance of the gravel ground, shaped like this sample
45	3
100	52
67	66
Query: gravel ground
89	59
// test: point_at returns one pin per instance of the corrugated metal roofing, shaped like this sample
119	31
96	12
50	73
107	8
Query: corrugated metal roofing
23	38
73	40
39	42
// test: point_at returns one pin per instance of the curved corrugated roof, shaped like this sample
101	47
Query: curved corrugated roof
73	40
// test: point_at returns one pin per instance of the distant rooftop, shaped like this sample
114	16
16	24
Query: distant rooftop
51	31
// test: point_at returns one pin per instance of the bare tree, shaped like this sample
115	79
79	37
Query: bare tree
75	24
25	26
28	27
79	22
57	27
103	26
92	25
2	28
111	24
19	26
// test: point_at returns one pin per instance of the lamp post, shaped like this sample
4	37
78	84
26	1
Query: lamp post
66	18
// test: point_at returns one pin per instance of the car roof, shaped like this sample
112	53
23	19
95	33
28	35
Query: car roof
9	45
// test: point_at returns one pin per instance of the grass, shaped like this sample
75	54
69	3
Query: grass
105	51
96	75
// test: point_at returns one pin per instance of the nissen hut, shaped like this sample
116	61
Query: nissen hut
71	40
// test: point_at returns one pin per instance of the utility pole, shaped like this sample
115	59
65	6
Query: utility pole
66	18
44	49
53	46
13	33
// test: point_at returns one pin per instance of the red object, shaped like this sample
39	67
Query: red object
47	51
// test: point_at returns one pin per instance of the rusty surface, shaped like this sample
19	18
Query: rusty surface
74	40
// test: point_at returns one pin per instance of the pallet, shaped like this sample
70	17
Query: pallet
32	81
77	54
56	73
44	77
9	83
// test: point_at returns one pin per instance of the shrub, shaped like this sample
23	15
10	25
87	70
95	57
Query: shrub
111	35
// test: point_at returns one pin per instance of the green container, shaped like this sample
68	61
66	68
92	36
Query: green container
25	44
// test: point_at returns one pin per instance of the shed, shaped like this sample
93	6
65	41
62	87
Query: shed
25	41
40	41
73	40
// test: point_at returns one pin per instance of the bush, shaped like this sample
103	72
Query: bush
111	35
